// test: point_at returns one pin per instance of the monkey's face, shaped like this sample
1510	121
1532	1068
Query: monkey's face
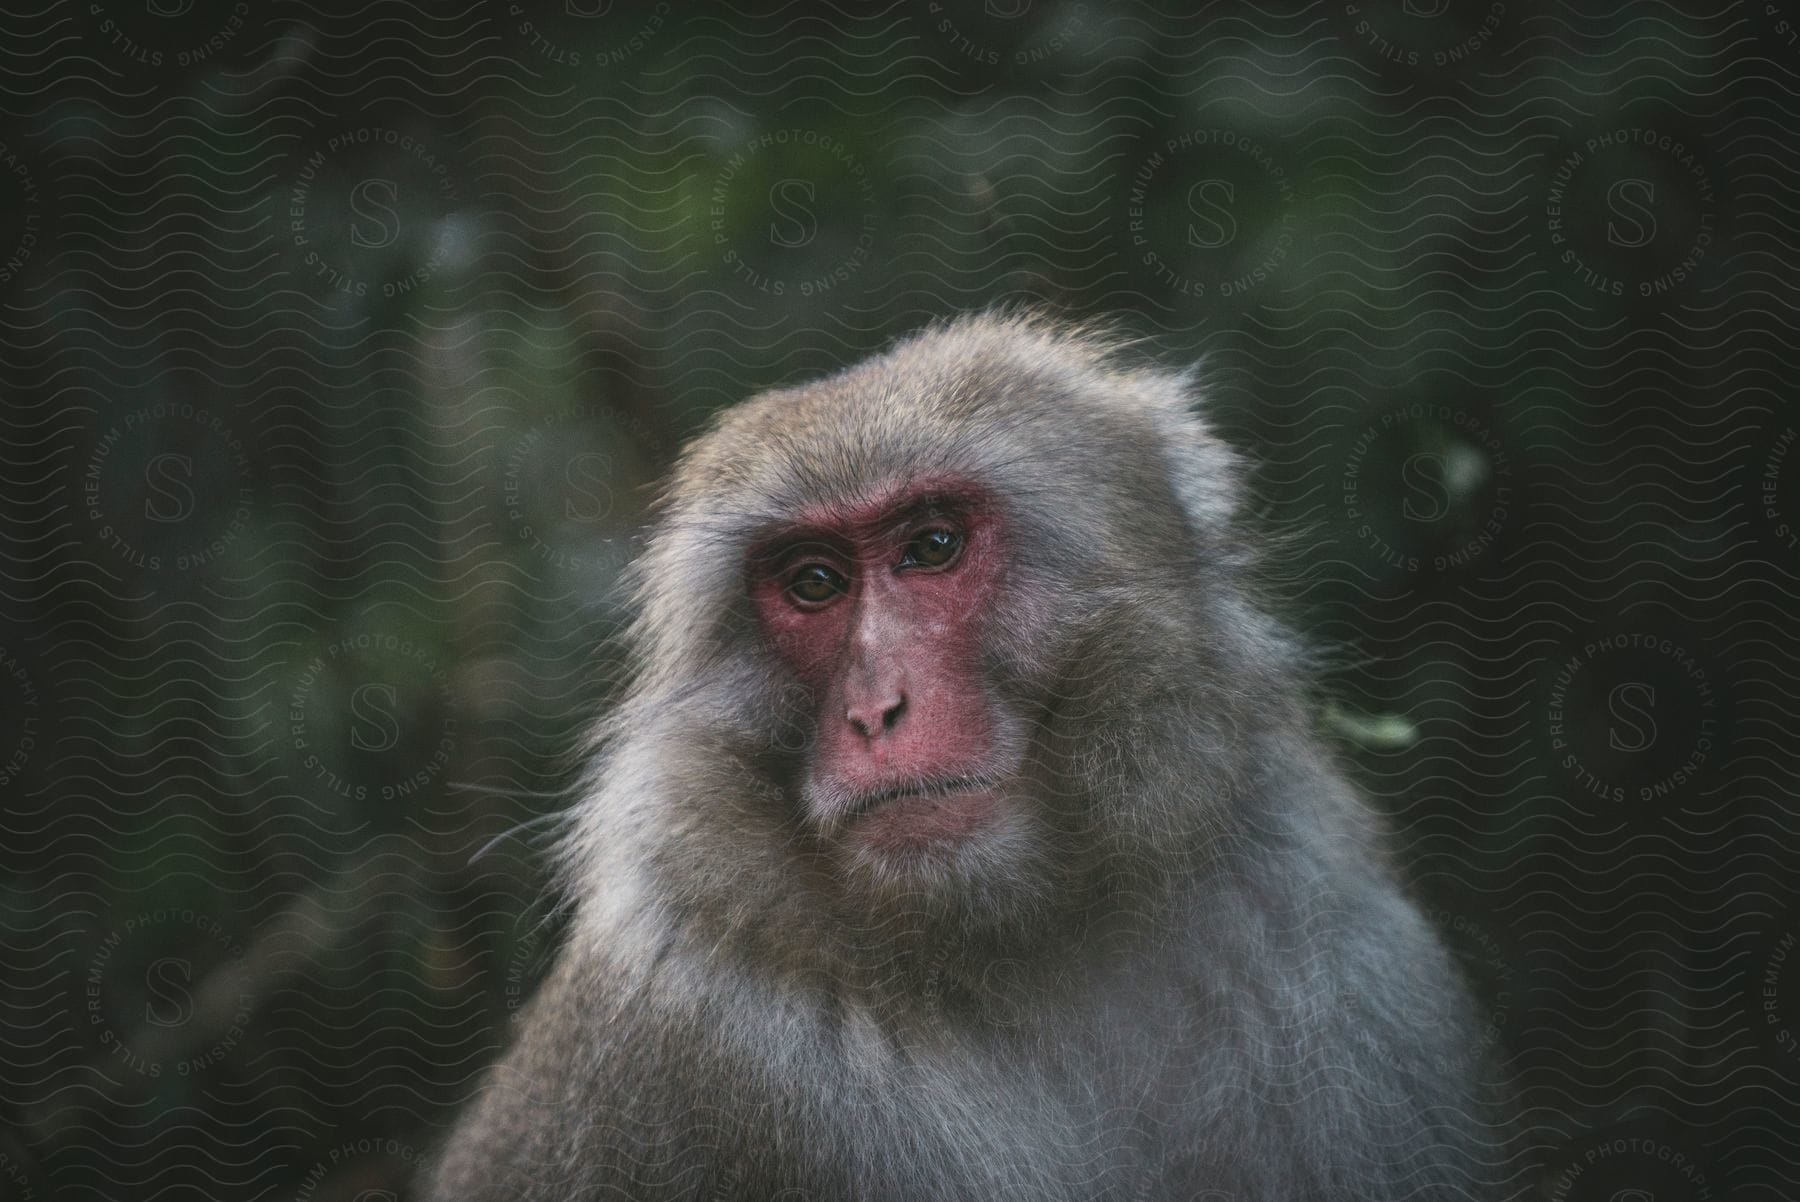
881	609
918	617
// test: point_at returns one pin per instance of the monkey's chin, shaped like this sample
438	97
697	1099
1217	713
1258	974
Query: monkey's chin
973	858
925	824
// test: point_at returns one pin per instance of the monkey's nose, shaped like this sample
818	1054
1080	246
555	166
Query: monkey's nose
871	718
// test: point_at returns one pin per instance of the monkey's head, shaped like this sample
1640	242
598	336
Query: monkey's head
954	630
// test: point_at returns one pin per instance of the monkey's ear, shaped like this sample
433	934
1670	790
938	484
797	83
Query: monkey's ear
1207	475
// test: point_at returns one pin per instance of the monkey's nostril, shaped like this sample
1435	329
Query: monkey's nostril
881	717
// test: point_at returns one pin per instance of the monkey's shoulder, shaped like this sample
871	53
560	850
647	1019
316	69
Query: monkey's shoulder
682	1074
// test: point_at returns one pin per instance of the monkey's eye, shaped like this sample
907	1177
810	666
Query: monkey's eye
815	584
932	548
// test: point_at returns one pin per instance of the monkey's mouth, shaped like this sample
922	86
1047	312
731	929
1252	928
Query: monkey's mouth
920	815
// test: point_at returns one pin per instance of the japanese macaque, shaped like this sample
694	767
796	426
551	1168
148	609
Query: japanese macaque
964	834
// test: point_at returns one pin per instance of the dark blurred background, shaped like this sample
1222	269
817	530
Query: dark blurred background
343	345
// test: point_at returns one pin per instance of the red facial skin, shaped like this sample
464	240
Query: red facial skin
895	660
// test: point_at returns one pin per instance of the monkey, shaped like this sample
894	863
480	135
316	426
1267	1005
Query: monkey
965	831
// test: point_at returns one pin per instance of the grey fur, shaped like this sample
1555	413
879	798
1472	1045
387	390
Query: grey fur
1192	972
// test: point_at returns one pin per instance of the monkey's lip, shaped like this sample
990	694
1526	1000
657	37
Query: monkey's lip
923	814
